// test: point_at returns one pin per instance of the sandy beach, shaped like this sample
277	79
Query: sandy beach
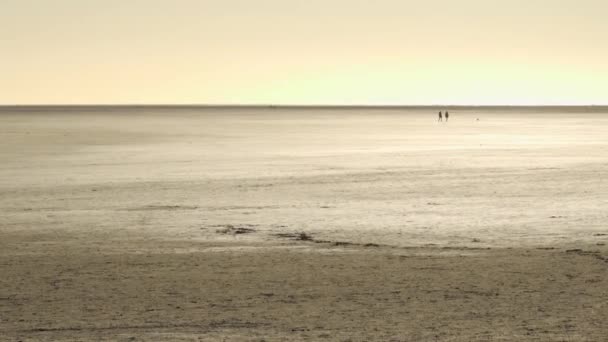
303	224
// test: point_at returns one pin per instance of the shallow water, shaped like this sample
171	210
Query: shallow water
395	177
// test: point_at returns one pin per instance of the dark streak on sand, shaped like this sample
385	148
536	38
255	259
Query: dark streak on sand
230	229
308	238
210	326
595	254
163	207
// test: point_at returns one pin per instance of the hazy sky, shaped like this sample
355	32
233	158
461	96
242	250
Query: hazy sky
304	51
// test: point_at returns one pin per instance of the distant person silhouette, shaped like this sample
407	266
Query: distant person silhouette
440	117
447	116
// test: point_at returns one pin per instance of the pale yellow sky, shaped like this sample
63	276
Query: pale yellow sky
304	51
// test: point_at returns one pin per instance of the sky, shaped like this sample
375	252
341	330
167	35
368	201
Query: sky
340	52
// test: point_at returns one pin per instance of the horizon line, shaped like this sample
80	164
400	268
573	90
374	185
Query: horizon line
270	105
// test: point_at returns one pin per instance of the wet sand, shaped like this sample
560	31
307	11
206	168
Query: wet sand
336	225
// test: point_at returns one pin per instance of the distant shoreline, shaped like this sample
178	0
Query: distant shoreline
103	107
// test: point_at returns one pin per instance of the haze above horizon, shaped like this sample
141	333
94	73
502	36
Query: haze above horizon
314	52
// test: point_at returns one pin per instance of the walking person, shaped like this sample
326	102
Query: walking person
447	116
440	117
